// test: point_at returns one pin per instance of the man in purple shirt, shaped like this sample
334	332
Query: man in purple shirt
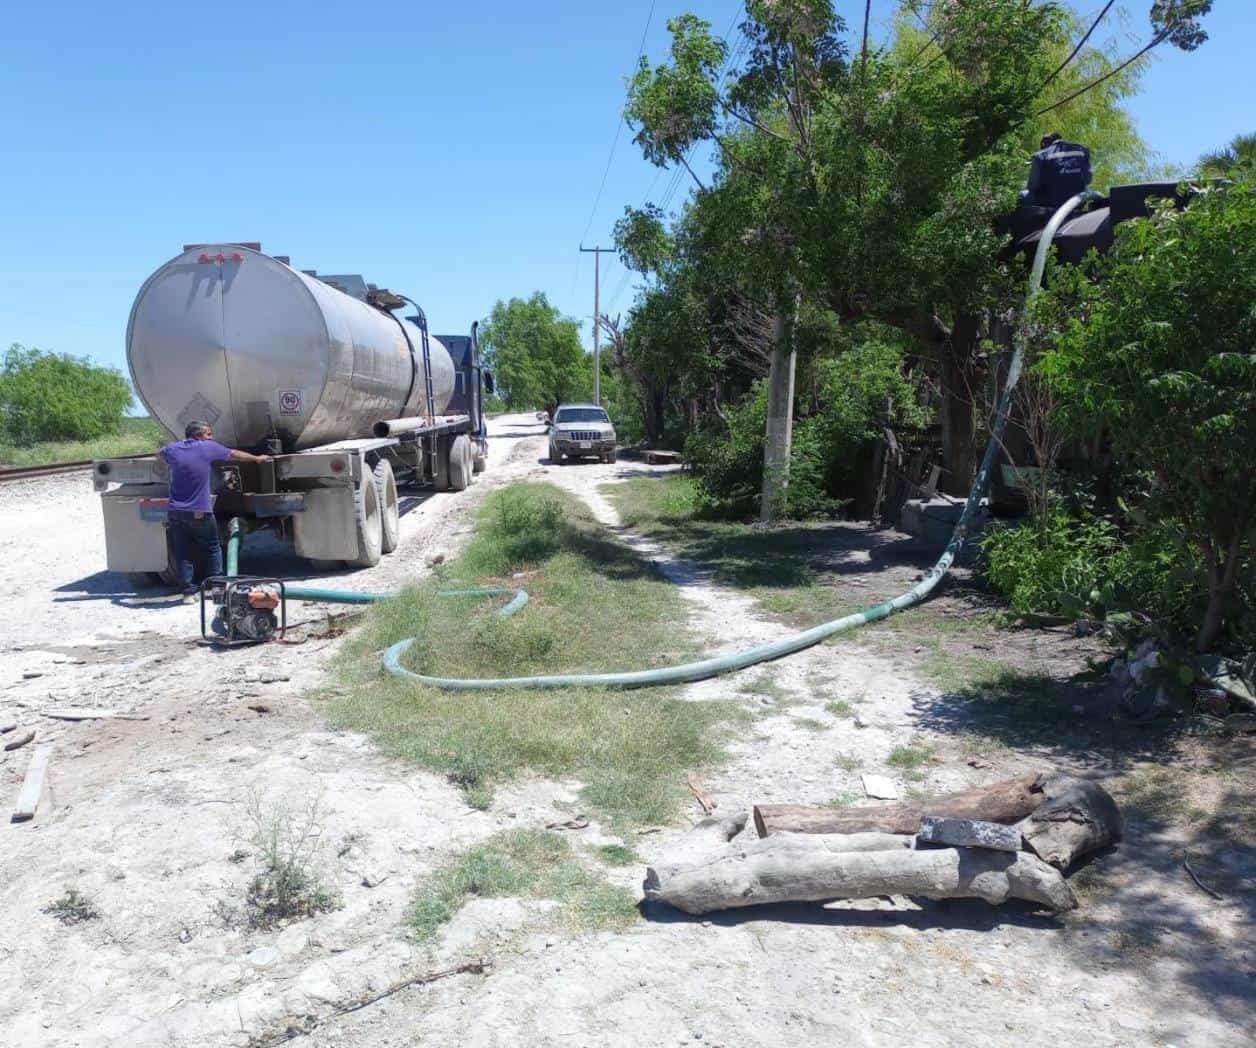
191	508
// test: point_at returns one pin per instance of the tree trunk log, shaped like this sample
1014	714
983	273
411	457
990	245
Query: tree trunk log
1076	817
1007	802
801	868
705	838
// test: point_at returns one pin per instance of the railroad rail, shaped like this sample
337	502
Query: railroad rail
50	469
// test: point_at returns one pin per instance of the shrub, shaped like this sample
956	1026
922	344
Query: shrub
1156	354
55	396
288	882
858	389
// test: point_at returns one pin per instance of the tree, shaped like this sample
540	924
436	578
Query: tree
1158	351
56	396
1236	160
870	183
535	354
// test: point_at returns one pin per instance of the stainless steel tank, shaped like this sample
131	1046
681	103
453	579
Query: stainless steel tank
241	340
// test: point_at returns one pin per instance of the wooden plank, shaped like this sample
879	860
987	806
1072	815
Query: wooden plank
33	784
969	833
20	741
81	713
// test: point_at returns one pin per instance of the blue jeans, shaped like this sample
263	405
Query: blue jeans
188	532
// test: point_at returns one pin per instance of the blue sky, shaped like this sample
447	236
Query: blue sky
452	151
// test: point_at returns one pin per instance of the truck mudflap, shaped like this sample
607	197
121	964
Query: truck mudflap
135	531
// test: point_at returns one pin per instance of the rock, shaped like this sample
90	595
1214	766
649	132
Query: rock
1214	701
437	556
969	833
880	787
263	956
32	674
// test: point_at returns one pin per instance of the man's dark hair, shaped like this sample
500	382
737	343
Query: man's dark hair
1050	138
194	430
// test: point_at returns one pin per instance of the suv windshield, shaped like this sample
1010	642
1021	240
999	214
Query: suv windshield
581	415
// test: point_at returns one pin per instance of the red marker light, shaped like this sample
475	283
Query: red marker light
337	465
204	258
237	257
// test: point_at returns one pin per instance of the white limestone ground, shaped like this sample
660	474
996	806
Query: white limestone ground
147	814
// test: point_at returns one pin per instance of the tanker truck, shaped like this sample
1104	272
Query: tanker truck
319	372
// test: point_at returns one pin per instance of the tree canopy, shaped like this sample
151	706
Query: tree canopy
535	354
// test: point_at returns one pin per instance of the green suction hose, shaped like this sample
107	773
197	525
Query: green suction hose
714	667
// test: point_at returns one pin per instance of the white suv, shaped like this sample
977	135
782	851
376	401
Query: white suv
581	431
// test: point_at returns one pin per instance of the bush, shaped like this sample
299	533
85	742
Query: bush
55	396
857	389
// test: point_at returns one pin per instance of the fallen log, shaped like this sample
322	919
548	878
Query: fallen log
705	838
1076	816
1006	802
790	867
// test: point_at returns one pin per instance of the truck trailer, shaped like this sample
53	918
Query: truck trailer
319	372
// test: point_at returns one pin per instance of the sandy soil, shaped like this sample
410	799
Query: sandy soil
144	816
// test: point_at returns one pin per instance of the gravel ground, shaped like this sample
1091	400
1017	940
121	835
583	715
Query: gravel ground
146	815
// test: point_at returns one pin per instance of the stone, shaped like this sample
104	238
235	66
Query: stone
263	956
880	786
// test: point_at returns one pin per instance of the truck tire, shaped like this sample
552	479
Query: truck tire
440	479
479	463
369	521
460	469
614	454
390	515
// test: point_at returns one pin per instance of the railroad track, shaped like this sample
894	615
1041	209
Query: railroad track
50	470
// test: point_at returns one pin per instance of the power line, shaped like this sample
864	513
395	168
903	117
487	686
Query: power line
619	129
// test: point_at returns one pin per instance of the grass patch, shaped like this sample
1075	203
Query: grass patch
810	724
839	708
617	855
526	864
136	436
594	606
909	758
843	800
72	908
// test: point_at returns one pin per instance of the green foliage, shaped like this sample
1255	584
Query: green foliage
1237	160
135	436
1058	565
55	396
856	392
1156	353
534	352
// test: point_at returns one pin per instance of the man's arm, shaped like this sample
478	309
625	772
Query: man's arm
243	456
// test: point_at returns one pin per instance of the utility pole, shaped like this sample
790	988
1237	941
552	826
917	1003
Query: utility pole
596	252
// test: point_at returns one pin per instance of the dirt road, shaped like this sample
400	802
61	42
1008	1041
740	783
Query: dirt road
148	813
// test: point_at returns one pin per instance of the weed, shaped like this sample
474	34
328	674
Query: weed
521	864
239	855
617	855
72	908
810	724
765	685
843	800
288	883
848	762
839	708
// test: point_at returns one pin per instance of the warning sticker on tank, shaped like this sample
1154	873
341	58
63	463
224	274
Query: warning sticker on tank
289	402
199	409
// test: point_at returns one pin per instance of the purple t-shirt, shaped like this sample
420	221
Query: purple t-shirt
191	463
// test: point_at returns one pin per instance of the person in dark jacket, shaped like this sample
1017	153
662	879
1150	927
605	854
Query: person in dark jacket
190	512
1058	171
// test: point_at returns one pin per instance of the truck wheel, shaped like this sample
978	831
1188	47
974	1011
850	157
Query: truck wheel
460	463
369	520
478	464
386	488
614	454
440	479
